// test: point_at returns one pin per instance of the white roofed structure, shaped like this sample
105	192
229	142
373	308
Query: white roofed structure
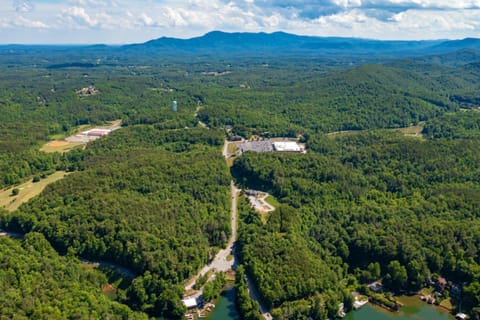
190	303
287	146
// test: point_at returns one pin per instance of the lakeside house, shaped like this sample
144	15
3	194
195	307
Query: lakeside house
461	316
375	287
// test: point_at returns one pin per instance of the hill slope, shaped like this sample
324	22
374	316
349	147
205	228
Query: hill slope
282	43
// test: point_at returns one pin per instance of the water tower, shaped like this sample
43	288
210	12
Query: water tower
174	105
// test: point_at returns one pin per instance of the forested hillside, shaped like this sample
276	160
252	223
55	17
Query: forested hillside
154	195
154	202
365	97
37	283
359	200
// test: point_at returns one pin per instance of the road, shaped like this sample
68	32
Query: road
221	262
121	270
15	235
252	290
125	272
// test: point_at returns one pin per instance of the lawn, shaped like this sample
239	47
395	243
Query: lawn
413	131
27	191
60	146
272	201
232	148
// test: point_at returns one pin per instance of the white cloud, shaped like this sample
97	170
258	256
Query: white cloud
24	22
347	3
136	21
79	16
22	6
146	20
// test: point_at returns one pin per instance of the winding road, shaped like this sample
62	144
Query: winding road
14	235
221	262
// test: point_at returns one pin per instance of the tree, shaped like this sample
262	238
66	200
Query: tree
396	276
374	269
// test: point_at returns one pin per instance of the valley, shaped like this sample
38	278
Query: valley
358	172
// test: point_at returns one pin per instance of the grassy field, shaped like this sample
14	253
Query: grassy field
413	131
232	148
272	201
27	191
60	146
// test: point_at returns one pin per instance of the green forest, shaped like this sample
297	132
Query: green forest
154	196
38	283
378	197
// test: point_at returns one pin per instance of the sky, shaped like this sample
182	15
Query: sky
136	21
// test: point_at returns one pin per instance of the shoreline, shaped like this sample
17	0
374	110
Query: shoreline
410	301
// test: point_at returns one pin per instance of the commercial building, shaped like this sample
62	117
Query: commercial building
287	146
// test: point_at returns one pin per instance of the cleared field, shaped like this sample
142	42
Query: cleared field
413	131
272	201
62	143
345	132
60	146
232	148
27	191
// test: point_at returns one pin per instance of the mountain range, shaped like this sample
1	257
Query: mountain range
218	42
277	44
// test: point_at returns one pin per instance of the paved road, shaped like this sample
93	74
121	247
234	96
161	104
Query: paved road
221	261
125	272
15	235
252	290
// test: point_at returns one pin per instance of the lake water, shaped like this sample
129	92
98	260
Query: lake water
225	308
414	309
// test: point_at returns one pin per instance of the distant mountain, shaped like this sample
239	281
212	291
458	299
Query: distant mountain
281	43
471	43
455	58
251	45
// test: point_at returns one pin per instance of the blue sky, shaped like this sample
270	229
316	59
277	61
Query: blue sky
134	21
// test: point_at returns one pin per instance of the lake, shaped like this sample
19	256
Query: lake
414	309
225	308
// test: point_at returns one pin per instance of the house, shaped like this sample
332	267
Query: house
441	284
461	316
251	192
375	286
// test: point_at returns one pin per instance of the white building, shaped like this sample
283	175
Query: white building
287	146
190	303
